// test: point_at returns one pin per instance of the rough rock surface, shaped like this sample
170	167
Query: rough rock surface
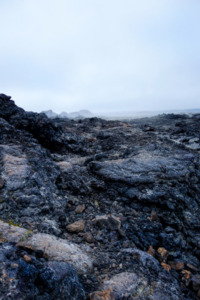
132	184
36	278
53	248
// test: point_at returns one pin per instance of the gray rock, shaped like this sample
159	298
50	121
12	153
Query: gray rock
53	248
110	222
138	287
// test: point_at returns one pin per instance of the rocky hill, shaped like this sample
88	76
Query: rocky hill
99	209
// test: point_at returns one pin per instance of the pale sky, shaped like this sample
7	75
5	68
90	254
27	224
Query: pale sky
101	55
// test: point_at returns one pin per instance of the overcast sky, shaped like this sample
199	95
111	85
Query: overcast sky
101	55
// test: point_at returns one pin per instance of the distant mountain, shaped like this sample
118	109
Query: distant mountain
63	115
50	113
84	113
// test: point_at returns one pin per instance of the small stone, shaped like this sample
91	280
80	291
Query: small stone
27	258
186	274
154	216
192	268
163	252
2	182
186	277
179	265
14	266
121	233
80	208
166	267
76	226
151	251
102	295
109	222
88	237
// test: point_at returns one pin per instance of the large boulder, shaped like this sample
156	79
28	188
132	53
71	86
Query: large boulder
149	281
53	248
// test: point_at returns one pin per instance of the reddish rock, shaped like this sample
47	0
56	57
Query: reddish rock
88	237
27	258
186	277
177	265
166	267
80	208
151	251
102	295
76	226
186	274
163	252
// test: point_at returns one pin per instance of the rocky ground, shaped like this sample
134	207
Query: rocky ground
99	209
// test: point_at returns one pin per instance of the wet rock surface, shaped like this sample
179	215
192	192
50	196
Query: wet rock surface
112	191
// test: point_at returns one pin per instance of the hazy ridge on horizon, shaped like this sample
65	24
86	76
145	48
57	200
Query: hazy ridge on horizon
120	114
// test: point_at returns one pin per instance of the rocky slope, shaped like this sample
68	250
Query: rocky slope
118	202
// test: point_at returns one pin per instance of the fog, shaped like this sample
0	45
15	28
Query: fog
102	55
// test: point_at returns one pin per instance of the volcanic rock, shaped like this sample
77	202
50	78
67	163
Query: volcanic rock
151	251
88	237
76	226
80	208
36	279
109	222
138	182
52	247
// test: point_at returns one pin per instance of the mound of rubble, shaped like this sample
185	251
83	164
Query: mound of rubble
100	209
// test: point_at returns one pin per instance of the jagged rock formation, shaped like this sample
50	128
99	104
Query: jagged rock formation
98	195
